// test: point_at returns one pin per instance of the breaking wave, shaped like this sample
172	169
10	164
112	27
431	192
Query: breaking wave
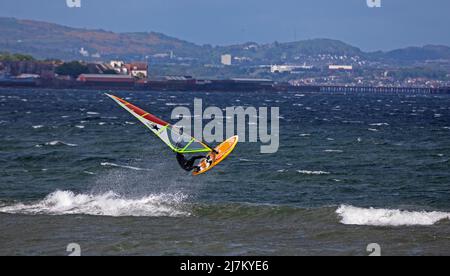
384	217
108	204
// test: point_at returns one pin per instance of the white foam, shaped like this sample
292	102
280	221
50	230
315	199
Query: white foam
80	127
88	172
380	124
106	164
244	160
384	217
373	129
92	113
38	126
178	104
333	151
57	143
108	204
313	172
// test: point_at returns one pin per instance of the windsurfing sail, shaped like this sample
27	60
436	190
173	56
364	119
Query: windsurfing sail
172	136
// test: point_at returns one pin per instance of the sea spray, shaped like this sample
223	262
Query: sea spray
107	204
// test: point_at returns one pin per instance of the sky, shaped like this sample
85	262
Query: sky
396	24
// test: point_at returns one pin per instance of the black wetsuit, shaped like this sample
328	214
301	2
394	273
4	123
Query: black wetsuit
188	165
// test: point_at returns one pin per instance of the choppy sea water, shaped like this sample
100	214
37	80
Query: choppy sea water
352	169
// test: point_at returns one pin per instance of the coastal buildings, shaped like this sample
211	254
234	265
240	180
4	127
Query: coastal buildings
274	69
136	69
226	60
340	67
106	80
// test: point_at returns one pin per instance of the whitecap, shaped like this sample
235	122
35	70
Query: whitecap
351	215
80	127
313	172
88	172
177	104
58	143
38	126
333	151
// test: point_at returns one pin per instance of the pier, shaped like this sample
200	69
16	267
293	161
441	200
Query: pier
395	90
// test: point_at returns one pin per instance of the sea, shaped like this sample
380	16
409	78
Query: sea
352	170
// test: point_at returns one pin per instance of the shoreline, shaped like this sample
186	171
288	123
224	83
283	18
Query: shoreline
224	86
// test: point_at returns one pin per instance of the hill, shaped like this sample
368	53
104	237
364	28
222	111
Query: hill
47	40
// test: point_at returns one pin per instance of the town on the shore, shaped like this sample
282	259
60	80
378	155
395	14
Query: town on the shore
18	70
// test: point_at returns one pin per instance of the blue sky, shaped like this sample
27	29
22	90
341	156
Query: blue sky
398	23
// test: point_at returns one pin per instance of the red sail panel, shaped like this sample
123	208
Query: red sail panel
142	113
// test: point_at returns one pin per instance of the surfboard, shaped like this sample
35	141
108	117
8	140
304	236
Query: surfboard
219	154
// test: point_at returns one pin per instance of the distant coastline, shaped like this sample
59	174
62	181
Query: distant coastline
190	84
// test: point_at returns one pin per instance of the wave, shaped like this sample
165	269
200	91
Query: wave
351	215
108	204
333	151
313	172
380	124
107	164
56	144
38	126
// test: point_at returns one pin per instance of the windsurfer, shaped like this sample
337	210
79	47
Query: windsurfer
188	164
